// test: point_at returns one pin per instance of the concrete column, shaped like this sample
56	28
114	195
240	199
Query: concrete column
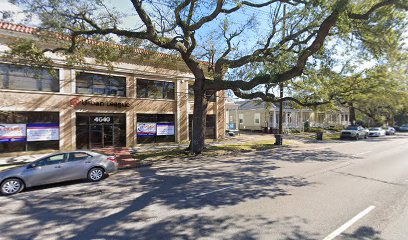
72	77
66	80
67	118
274	119
182	111
130	128
131	86
131	114
220	115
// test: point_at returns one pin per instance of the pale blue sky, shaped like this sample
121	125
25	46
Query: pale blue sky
247	42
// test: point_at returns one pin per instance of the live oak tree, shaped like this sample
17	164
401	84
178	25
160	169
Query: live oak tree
175	25
384	101
377	93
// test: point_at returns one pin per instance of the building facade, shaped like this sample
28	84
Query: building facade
256	115
231	115
67	108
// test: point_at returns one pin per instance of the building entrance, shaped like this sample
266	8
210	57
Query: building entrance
100	131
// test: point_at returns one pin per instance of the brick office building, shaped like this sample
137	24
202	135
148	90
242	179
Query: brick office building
138	101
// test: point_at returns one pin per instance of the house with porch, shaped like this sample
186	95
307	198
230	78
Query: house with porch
257	115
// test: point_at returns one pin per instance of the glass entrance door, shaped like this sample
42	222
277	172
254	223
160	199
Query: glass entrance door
96	136
101	136
100	131
108	136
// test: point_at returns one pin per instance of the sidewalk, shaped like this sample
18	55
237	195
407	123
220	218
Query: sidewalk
125	156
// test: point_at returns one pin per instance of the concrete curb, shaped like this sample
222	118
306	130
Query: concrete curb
137	166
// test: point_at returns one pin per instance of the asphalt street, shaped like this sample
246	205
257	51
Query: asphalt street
341	190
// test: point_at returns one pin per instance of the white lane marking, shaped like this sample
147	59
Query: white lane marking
362	153
225	188
341	229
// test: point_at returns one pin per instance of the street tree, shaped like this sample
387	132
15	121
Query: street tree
175	25
379	92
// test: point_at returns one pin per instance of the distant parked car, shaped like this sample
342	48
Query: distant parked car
376	132
59	167
354	132
403	128
389	131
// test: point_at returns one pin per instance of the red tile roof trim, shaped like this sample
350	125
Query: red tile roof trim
32	30
17	28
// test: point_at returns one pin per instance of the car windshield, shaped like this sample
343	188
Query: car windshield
352	128
374	129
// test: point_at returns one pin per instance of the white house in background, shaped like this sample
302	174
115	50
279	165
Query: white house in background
231	114
257	115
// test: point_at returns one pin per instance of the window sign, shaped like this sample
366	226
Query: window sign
42	132
165	129
12	132
101	119
146	129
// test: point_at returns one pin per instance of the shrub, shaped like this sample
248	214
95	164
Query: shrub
315	129
306	126
336	129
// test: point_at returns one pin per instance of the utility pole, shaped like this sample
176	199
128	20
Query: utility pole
281	108
280	120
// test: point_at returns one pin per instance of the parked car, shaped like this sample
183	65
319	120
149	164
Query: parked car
389	131
403	128
355	132
59	167
376	132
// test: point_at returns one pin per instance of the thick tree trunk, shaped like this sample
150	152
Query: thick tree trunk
199	118
200	104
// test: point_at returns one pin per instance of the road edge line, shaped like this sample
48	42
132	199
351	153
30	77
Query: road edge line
344	227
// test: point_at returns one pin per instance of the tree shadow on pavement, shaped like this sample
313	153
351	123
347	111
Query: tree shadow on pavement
300	155
363	233
151	204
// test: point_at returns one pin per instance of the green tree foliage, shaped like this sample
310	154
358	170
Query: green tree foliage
378	93
288	47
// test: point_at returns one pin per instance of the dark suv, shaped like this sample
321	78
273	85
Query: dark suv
354	132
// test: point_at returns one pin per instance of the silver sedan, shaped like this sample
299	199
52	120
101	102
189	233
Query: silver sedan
59	167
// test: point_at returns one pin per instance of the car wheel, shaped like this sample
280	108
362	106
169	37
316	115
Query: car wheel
96	174
365	136
11	186
357	137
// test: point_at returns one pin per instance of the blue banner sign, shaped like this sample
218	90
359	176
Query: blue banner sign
43	132
12	132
